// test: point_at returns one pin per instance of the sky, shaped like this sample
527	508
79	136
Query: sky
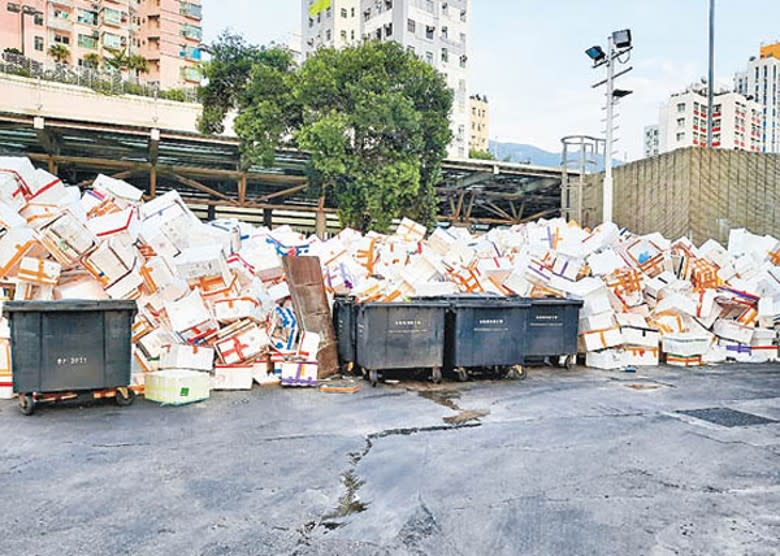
528	56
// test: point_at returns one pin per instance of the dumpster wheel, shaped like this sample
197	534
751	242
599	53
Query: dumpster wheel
463	374
568	363
124	397
436	377
516	372
26	404
373	376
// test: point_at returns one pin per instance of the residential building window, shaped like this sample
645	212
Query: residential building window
410	49
389	30
327	13
463	60
38	19
411	26
681	107
444	32
429	31
680	122
87	41
344	12
445	56
352	34
327	35
87	17
62	39
681	136
39	44
344	35
353	12
60	14
463	38
444	7
311	22
429	57
112	41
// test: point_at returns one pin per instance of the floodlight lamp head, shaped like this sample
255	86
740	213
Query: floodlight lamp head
596	53
622	39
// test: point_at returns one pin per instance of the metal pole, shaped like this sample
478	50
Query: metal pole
711	77
607	207
21	16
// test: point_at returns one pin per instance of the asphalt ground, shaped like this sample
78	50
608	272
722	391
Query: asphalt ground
565	462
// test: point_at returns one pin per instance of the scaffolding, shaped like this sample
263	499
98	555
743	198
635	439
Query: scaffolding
582	155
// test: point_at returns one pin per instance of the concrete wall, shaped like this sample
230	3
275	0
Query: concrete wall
695	192
20	95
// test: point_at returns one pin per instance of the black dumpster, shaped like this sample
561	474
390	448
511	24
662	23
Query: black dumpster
401	336
552	329
344	322
70	347
486	334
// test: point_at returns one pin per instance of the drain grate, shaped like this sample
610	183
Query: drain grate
727	417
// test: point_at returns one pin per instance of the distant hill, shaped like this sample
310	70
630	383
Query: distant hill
529	154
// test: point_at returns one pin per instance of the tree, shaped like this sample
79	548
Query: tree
60	53
374	119
137	64
92	60
118	60
481	155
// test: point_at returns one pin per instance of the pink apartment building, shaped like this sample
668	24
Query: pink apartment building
166	32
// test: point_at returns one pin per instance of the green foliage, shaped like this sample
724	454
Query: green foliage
374	119
174	94
60	53
13	51
481	155
118	59
92	60
137	64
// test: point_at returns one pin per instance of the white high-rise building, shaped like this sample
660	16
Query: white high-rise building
652	141
329	23
736	124
435	30
761	81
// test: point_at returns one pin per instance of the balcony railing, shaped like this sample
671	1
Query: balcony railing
109	82
60	23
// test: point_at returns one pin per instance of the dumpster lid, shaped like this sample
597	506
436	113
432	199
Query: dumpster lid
556	301
69	305
409	304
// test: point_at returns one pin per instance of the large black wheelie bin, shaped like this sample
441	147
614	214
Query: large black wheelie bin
70	346
486	333
401	336
345	325
552	329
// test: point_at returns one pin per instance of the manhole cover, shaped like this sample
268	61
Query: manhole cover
727	417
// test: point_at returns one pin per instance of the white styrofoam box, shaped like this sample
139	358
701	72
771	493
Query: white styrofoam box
309	345
67	238
127	287
236	308
599	321
247	344
299	373
39	271
263	374
604	235
567	267
686	344
232	377
199	262
21	169
715	253
602	339
48	189
279	291
81	286
435	289
764	344
685	361
732	330
440	241
118	189
187	312
716	354
678	303
631	319
496	268
642	356
605	262
641	337
736	351
596	302
608	359
177	386
112	224
179	356
410	230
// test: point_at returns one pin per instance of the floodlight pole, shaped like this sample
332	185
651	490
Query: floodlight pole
608	184
711	76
